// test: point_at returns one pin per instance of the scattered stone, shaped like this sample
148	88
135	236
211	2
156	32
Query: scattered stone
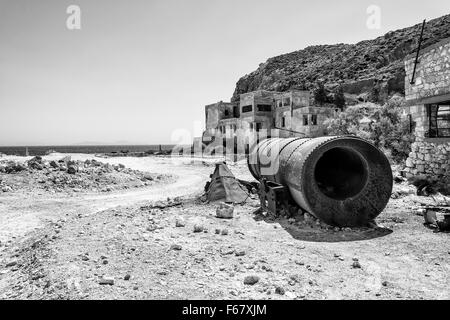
198	228
11	264
106	280
180	223
224	211
356	265
175	247
217	231
226	251
72	170
267	268
251	280
308	218
7	189
127	277
54	164
279	290
224	232
239	253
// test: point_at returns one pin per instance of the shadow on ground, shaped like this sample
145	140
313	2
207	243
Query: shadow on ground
313	233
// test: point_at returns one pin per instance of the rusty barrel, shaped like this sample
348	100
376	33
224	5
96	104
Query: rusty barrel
342	180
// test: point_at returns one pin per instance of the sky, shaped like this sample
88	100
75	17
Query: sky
141	71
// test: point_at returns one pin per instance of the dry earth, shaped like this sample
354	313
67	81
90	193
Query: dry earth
65	247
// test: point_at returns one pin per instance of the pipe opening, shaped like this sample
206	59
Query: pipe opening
340	173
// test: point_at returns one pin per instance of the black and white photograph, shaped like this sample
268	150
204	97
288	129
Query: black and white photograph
222	155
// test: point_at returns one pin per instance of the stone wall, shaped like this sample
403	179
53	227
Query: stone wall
429	157
432	73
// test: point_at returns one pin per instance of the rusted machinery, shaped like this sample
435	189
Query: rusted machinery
341	180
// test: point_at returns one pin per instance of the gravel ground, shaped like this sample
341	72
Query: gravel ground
107	248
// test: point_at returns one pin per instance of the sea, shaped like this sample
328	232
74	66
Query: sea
43	150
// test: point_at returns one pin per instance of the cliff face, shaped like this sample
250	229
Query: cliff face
358	67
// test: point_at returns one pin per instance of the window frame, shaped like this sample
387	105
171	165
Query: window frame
247	108
264	107
305	120
434	116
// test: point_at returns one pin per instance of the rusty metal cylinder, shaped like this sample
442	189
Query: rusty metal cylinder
341	180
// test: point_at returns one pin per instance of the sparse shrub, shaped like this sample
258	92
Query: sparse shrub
320	94
339	98
389	129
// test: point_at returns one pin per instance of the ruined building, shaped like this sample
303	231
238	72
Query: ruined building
262	114
428	104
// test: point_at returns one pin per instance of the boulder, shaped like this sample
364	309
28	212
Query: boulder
72	169
179	223
198	228
224	211
251	280
108	167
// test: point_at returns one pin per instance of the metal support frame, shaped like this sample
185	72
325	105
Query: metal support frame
273	197
417	53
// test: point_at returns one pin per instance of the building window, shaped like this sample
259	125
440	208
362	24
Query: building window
305	119
248	108
279	104
251	126
314	119
283	122
227	113
264	107
235	112
287	101
439	120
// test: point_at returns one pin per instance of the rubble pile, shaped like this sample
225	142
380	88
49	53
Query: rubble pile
66	175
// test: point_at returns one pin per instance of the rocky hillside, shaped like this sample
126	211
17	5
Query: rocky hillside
358	67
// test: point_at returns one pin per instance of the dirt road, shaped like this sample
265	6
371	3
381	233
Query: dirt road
22	214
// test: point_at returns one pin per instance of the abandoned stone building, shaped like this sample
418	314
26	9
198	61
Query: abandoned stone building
261	114
428	105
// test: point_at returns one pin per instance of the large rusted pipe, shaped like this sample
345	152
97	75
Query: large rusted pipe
343	180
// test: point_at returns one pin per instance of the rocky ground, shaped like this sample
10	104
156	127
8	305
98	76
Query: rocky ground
178	248
68	176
